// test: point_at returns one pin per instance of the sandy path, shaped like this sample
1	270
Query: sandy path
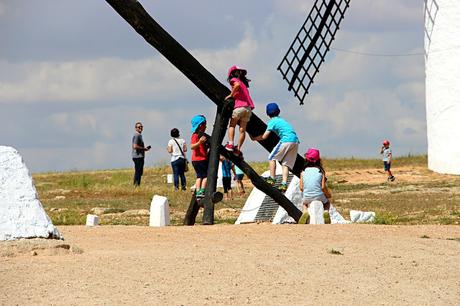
249	264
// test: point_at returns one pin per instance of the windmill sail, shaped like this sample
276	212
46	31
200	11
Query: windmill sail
311	44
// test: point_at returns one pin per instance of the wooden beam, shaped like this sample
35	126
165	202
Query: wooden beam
223	114
263	186
133	12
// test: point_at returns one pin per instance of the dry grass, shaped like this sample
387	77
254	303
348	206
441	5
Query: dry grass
417	197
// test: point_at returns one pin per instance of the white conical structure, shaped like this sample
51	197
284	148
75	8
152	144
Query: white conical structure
442	46
21	213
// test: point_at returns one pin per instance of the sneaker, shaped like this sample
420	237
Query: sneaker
282	187
304	218
237	152
229	147
269	180
184	188
200	193
391	178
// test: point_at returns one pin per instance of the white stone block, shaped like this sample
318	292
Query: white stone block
316	211
159	211
169	178
92	220
362	216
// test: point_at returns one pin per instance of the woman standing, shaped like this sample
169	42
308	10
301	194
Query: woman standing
177	149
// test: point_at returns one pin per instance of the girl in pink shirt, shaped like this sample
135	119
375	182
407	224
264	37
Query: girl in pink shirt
243	107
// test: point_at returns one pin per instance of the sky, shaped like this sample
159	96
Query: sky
75	78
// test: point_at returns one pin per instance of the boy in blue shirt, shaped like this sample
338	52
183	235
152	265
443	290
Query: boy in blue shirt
285	152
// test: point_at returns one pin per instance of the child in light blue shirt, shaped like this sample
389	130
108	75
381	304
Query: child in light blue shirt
285	152
313	181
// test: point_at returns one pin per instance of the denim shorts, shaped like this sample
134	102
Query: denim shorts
239	177
386	166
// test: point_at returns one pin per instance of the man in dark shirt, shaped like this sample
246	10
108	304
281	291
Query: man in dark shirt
138	153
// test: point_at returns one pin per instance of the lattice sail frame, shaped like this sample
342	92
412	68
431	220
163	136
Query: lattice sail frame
431	11
311	44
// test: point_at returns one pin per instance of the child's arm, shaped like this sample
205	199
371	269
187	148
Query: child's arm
235	88
261	137
233	169
195	145
390	157
381	150
169	148
326	191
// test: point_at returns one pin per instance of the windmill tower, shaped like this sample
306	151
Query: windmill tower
442	67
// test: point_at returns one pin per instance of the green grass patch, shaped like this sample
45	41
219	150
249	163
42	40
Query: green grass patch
385	218
335	252
69	196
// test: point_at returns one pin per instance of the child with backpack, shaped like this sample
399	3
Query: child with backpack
285	152
199	145
243	107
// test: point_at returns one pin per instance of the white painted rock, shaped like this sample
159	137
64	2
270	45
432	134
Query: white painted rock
362	216
159	211
316	211
21	213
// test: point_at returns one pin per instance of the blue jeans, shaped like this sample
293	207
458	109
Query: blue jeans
178	167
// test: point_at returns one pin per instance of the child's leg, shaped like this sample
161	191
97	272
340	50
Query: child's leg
285	174
231	130
198	183
240	187
272	168
305	217
242	135
203	183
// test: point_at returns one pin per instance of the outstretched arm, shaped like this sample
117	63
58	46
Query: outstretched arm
261	137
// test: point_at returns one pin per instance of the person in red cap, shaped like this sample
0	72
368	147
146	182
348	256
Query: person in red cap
313	183
387	158
243	107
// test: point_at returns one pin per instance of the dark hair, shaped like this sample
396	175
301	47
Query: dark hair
316	164
239	74
274	114
174	133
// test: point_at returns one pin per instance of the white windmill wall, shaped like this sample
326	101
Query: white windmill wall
442	41
21	213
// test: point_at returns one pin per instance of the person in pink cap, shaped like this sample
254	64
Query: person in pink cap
243	107
387	158
313	182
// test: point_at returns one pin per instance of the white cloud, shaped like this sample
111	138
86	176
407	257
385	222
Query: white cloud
99	79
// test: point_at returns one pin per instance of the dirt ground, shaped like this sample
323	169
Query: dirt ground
260	264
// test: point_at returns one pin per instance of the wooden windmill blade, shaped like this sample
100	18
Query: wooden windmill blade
311	44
